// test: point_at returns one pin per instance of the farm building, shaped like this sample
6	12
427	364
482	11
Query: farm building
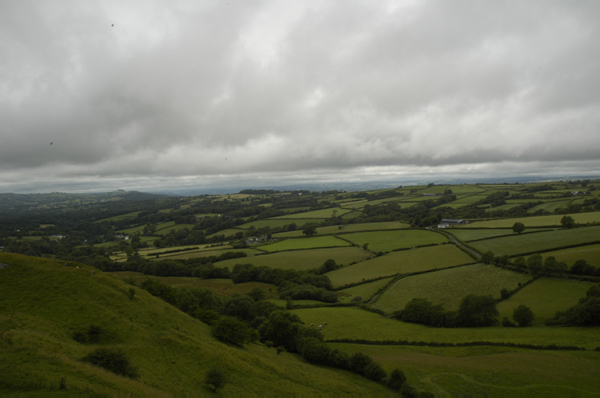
447	222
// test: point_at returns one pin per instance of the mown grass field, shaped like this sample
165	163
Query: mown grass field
273	223
44	303
540	221
490	371
405	261
342	229
386	241
467	235
205	253
448	287
305	243
323	213
550	206
590	253
545	297
301	259
356	323
365	291
527	243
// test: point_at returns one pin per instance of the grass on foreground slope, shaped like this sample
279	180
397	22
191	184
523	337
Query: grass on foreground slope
43	302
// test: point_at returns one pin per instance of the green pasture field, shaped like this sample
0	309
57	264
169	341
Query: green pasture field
351	215
467	235
527	243
435	189
341	229
452	205
448	287
590	253
121	217
358	204
413	198
220	287
133	230
521	201
381	201
550	206
176	227
323	213
305	243
540	221
356	323
301	259
273	223
401	262
467	200
489	371
227	232
385	241
462	189
206	253
364	291
507	206
545	296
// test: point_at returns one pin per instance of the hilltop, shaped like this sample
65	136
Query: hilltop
44	303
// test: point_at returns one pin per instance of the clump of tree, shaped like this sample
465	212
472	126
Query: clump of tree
474	311
114	361
585	313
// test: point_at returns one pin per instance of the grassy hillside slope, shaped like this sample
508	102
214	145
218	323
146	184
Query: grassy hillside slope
43	303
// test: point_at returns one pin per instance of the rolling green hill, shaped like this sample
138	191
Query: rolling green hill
43	303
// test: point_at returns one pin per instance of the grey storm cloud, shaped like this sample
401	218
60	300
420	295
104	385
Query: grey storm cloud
156	92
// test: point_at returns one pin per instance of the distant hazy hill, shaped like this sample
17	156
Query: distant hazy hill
44	303
54	200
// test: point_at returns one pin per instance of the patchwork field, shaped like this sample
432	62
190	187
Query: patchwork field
301	259
527	243
386	241
323	213
545	297
356	323
273	223
448	287
207	253
590	253
306	243
365	290
550	206
341	229
405	262
541	221
490	371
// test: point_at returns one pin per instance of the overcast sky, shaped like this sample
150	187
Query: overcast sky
154	94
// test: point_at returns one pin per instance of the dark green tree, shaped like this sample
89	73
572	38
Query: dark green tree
518	227
567	222
214	379
535	263
396	379
231	330
487	257
523	315
309	229
475	311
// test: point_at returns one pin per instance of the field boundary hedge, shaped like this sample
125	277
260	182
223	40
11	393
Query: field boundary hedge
511	234
556	248
552	347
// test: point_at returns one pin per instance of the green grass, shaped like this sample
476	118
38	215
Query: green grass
467	200
385	241
448	287
489	371
545	297
165	230
42	303
323	213
272	223
305	243
406	261
302	259
550	206
121	217
342	229
364	291
356	323
207	253
590	253
467	235
540	221
527	243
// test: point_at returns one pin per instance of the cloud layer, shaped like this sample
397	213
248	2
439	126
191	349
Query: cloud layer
186	92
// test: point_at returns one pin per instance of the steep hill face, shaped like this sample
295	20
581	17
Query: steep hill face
46	306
